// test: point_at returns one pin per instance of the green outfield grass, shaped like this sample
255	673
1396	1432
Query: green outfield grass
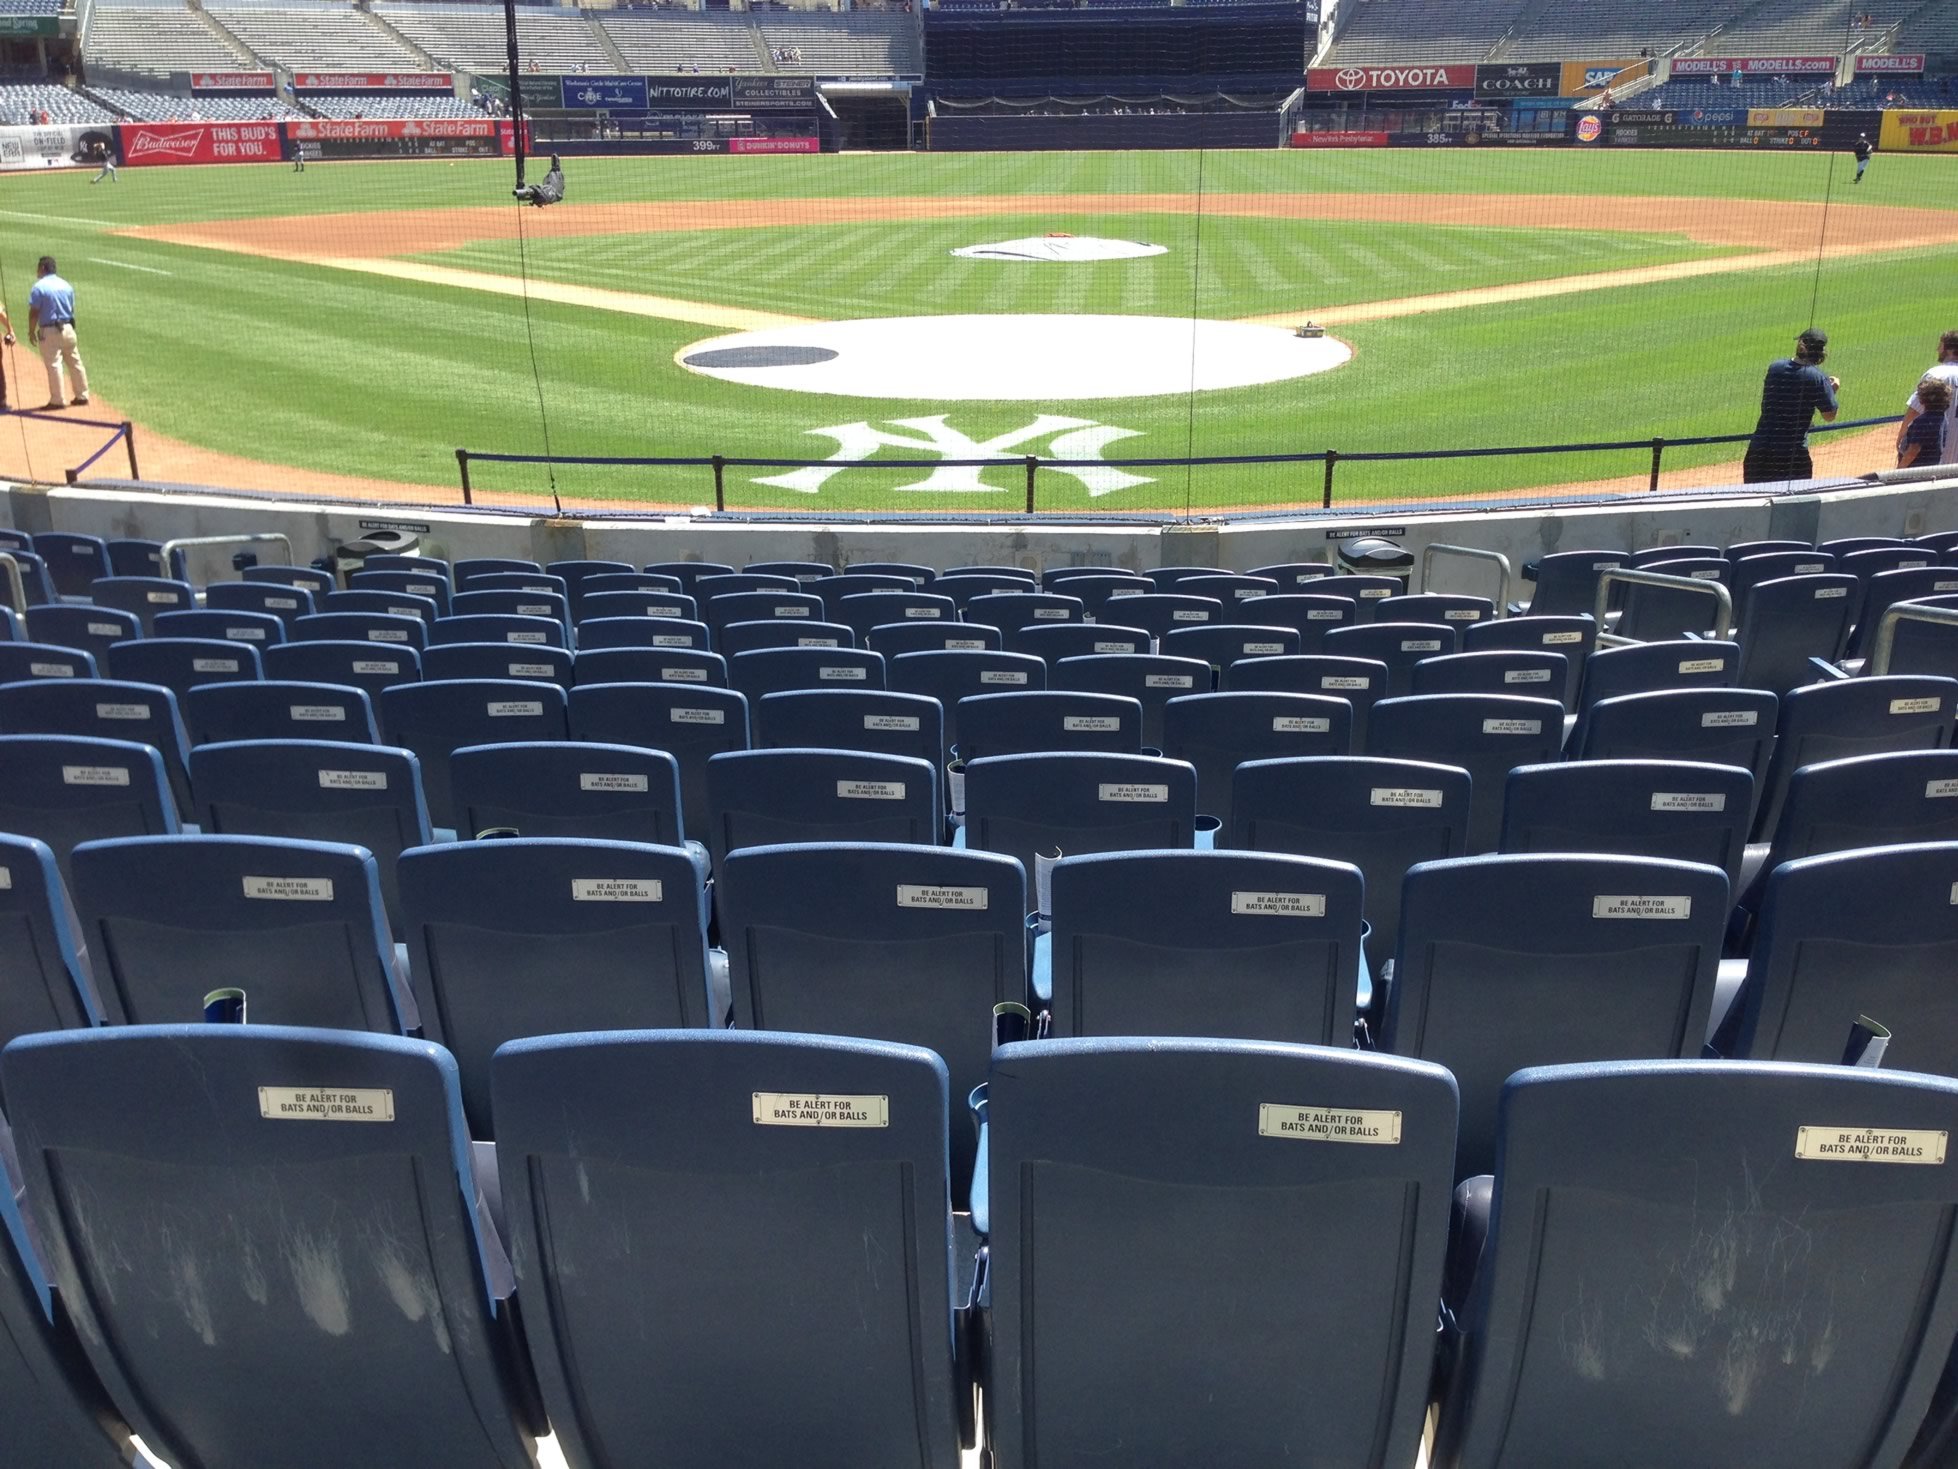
326	369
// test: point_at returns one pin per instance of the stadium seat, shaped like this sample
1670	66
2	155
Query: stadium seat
1010	611
891	942
102	709
315	790
1648	1273
1052	641
384	604
758	798
687	573
781	670
1042	807
609	935
919	576
20	662
697	1141
1488	735
1717	726
1362	682
1884	590
1249	945
45	980
720	612
691	723
1739	551
1844	545
603	583
743	583
1916	647
643	632
1100	590
298	925
494	602
35	586
1364	592
1872	560
596	605
539	632
260	629
1159	613
953	675
542	661
142	596
74	562
965	588
1651	556
1291	575
1787	622
288	604
1449	608
10	628
318	582
434	566
91	630
1051	577
1566	582
782	632
513	577
12	541
359	665
1152	680
183	664
1399	645
1574	636
862	611
801	571
1661	613
1862	716
1748	572
436	719
1643	668
851	719
931	636
1216	733
576	572
833	589
413	583
272	709
569	788
379	628
134	556
1048	719
1498	671
650	665
1228	587
1112	1248
1168	578
1002	572
241	1272
1632	808
66	789
1220	644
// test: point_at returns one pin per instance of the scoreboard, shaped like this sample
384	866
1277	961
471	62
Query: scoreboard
1708	128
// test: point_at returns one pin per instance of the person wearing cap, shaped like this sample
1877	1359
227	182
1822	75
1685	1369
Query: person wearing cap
1945	370
1862	150
1794	391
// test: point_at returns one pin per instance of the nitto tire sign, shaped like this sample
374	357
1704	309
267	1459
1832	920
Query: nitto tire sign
1390	79
1526	79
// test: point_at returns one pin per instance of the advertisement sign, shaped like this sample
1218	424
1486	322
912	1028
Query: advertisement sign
1919	132
1390	79
63	145
30	25
774	145
1911	63
1519	79
231	81
146	144
1341	138
1784	117
765	92
1762	66
603	94
686	94
374	129
1590	128
1588	78
373	81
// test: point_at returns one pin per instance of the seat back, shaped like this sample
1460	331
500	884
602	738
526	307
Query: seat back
1885	589
1216	733
91	630
602	606
45	980
757	798
1859	716
240	1273
260	629
413	583
1507	962
318	582
1638	1277
1452	609
512	602
1573	636
577	572
1567	581
1399	645
691	723
1152	680
688	573
953	675
67	789
1712	726
782	632
1748	572
1011	611
1291	575
1632	808
1053	719
732	607
1643	668
1308	614
22	661
1544	675
1872	560
1365	592
834	588
1655	613
142	596
596	633
1488	735
508	576
1251	945
1052	641
1221	644
694	1140
437	719
288	604
273	709
1101	592
500	627
931	635
1102	1232
101	708
298	925
374	602
853	719
911	571
604	582
183	664
383	629
134	556
863	610
449	661
1159	613
569	788
1788	621
74	561
1362	682
358	664
1074	803
1887	800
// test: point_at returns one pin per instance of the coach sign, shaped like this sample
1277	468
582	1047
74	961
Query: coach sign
1911	63
1759	66
1519	79
1390	79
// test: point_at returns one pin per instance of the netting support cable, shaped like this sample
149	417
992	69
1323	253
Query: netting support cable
1196	296
15	387
514	60
523	254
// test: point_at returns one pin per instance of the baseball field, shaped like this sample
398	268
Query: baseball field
344	330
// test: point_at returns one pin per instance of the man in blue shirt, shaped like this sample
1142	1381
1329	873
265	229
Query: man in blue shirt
51	322
1794	391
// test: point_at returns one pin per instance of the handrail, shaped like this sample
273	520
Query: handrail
166	555
16	583
1723	599
1886	630
1429	553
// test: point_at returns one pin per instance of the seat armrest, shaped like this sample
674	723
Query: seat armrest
1468	1231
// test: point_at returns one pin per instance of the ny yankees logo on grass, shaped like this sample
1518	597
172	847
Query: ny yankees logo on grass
1066	438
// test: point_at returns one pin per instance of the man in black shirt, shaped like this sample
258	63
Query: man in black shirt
1794	391
1862	150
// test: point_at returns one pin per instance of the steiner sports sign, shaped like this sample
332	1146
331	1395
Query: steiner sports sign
1390	79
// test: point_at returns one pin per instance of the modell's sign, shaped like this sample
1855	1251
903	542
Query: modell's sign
372	81
1759	66
1910	62
231	81
152	143
1390	79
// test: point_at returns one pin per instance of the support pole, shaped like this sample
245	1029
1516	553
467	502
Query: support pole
462	464
1326	500
720	482
129	443
1658	452
1033	468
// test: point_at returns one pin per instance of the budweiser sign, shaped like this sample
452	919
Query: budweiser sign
151	143
1912	62
1390	79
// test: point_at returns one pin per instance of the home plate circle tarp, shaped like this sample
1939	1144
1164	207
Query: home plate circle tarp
1067	249
1013	358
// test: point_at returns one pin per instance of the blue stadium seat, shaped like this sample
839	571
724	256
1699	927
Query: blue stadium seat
298	925
35	585
643	632
667	1135
688	573
1488	735
142	596
1571	636
1748	572
997	572
919	576
953	675
1383	816
437	719
1739	551
67	789
10	628
1655	556
1362	682
288	604
1010	611
1884	590
540	632
1220	644
383	604
1451	609
1114	1247
102	709
932	635
512	576
1632	808
260	629
966	587
1399	645
183	664
274	709
434	566
1678	1257
1874	560
1843	545
1657	613
1152	680
1216	733
1566	582
511	602
757	798
1713	726
719	612
1051	642
240	1272
379	628
833	589
862	611
318	582
1292	575
74	561
1074	803
1364	592
1788	621
544	662
1048	719
1643	668
782	632
577	573
800	571
134	556
413	583
1228	587
45	979
1160	613
891	942
851	719
1860	716
781	670
604	583
596	605
1918	647
360	665
1168	578
743	583
608	936
690	723
1507	962
569	788
1101	589
686	666
1250	945
12	540
20	662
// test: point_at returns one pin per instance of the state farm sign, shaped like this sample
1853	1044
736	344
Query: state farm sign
1390	79
231	81
372	81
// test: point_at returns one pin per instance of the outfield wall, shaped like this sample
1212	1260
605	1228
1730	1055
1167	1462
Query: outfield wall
1097	130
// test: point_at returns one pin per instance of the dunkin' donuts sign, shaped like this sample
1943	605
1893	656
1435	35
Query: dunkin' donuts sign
1390	79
